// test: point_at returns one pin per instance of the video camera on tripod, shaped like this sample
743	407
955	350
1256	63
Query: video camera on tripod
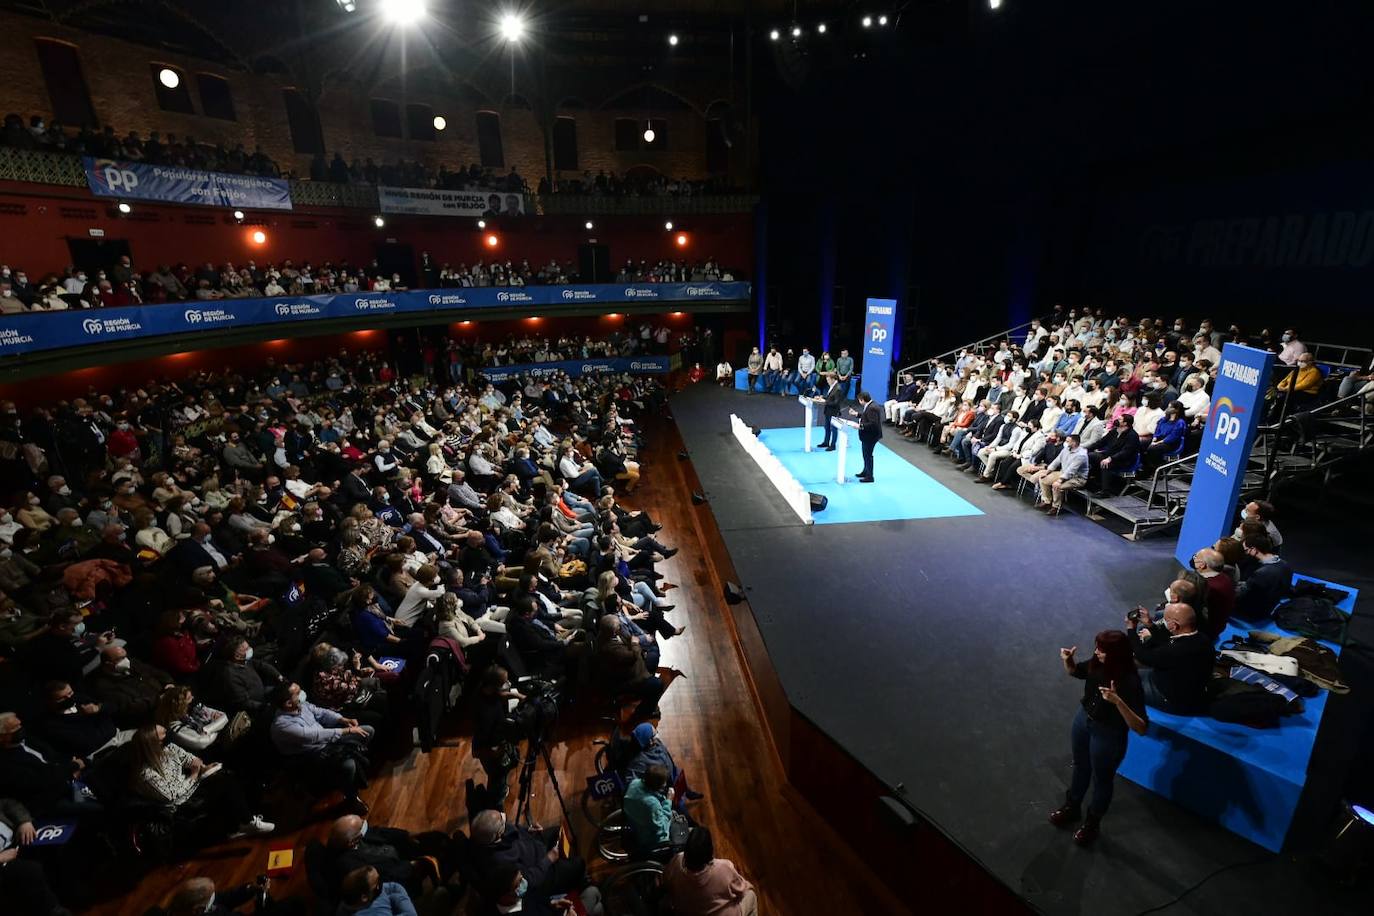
535	715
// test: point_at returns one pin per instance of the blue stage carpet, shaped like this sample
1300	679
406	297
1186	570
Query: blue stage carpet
1246	779
900	490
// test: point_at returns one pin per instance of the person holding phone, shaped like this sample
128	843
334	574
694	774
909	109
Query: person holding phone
1112	707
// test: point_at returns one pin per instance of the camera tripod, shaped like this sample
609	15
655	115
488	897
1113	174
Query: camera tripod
535	749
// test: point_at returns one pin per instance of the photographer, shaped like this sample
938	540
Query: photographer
495	740
1176	656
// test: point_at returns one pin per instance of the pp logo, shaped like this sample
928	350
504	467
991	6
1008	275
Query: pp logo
877	333
602	786
116	179
282	309
503	297
193	316
1226	421
92	326
50	833
435	299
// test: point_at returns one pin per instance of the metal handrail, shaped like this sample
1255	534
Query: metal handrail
1345	350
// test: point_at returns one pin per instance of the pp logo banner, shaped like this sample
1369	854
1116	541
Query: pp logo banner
92	325
193	316
117	179
1226	421
876	332
604	785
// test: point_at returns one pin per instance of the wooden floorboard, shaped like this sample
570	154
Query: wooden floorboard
711	721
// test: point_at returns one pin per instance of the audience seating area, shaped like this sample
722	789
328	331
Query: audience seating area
236	596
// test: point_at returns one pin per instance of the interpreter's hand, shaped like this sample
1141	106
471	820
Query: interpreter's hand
1109	694
1067	654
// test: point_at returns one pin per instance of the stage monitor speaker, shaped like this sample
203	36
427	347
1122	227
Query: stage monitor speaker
733	593
594	263
818	502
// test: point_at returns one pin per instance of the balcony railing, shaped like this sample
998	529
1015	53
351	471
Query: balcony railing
65	169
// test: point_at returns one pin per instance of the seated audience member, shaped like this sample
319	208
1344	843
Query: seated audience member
1270	581
1263	513
1068	471
165	773
1221	589
507	890
696	883
648	807
74	723
397	856
497	843
127	688
200	897
1176	659
23	881
333	746
365	893
189	723
235	682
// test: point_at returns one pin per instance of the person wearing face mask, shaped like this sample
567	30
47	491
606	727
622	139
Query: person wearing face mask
33	516
75	723
234	681
62	651
498	846
1175	656
396	855
1292	347
128	689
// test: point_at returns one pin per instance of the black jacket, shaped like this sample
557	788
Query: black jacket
870	422
1181	665
1262	589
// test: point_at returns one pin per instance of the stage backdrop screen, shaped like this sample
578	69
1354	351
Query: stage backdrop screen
1235	414
879	320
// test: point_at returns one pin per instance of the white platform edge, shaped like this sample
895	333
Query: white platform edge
792	492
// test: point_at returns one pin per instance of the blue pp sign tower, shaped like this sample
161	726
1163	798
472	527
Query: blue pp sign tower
879	321
1237	403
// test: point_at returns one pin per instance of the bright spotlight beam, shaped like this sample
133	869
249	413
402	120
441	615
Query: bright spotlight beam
404	12
512	27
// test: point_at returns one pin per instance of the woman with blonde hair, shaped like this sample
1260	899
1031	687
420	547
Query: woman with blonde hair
190	724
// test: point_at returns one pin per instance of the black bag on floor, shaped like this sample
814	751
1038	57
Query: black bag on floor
818	502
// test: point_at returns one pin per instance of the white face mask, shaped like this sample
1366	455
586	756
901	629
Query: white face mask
1168	596
123	665
248	655
300	698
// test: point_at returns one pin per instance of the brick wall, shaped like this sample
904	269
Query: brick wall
121	88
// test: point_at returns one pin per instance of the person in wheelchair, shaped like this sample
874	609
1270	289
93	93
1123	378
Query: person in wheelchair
645	749
656	831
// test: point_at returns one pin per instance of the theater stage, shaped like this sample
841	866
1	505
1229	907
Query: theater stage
927	648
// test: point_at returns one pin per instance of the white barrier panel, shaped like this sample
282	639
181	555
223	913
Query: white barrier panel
792	492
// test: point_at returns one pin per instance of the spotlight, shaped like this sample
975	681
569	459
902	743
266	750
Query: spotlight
668	226
588	224
481	224
867	21
512	27
259	237
882	20
403	12
238	215
994	4
168	77
682	240
773	35
672	40
649	135
378	222
347	6
125	208
820	29
492	241
440	122
796	31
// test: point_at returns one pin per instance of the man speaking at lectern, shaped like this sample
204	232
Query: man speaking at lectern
834	397
870	431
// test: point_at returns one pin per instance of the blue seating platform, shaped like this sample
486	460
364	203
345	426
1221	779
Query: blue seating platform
1246	779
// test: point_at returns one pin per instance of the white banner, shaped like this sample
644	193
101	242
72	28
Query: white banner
436	202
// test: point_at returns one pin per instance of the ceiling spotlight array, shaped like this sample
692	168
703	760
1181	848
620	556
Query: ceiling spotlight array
869	20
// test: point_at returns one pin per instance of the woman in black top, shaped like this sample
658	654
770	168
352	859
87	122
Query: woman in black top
1113	705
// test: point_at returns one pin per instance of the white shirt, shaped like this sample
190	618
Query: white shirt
413	604
1195	403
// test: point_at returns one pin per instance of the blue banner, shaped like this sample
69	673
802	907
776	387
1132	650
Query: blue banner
176	185
879	320
575	367
1235	414
35	331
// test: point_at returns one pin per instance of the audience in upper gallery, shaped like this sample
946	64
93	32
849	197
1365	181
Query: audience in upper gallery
125	284
298	555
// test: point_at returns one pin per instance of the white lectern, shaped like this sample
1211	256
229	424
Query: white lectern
842	428
811	407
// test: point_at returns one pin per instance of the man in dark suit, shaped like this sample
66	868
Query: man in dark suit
1177	659
832	399
870	431
1117	456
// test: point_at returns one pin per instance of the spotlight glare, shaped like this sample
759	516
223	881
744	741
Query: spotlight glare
820	29
259	237
403	12
347	6
773	35
668	226
481	224
588	224
492	241
682	240
378	222
672	40
125	208
867	21
994	4
169	78
238	215
440	122
796	31
512	27
882	20
649	135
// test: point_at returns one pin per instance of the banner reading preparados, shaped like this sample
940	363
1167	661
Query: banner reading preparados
1224	454
879	320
